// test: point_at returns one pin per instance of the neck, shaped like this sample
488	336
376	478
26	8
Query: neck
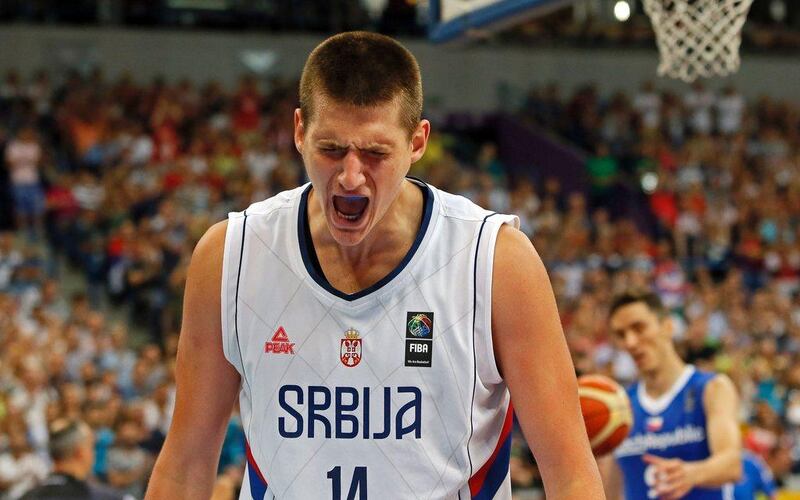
658	382
71	468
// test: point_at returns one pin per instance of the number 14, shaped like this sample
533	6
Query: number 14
358	485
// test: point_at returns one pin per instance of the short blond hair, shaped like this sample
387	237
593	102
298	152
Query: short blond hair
363	69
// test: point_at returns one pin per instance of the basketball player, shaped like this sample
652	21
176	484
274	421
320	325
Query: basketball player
757	480
685	440
376	327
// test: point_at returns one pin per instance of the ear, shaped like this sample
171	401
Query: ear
668	326
85	452
299	131
419	141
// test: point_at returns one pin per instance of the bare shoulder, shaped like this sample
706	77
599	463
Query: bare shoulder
511	239
211	246
521	296
204	278
516	261
721	382
720	391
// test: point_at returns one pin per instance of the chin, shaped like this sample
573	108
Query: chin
347	238
646	369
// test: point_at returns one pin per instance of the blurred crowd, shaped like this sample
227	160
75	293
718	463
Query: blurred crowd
717	235
119	179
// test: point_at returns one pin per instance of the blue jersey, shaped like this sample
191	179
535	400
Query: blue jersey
672	426
756	478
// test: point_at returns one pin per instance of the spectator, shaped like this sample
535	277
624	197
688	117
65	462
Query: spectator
730	111
699	105
647	103
72	450
128	463
10	260
20	467
23	156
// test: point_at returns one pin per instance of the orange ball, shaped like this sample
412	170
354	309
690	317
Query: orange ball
606	412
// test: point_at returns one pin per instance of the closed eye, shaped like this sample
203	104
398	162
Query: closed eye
332	151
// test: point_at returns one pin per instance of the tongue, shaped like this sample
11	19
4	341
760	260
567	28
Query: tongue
350	205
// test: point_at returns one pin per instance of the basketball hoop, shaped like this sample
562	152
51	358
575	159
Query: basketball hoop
698	38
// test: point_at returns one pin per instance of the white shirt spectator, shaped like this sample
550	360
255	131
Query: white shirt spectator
690	175
22	473
142	148
730	110
89	193
648	104
34	407
22	158
571	274
9	262
260	163
699	103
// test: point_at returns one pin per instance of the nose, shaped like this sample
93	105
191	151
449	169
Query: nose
352	175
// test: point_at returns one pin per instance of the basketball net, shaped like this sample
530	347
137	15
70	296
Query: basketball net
697	38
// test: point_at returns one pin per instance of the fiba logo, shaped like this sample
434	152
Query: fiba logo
420	325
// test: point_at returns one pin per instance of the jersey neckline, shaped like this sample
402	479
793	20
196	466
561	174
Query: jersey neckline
654	406
311	260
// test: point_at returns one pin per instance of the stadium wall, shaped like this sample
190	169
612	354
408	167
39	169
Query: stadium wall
473	78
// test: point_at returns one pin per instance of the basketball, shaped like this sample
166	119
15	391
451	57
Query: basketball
606	412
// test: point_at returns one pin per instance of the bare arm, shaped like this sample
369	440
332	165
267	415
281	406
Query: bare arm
724	437
532	354
612	477
206	383
724	465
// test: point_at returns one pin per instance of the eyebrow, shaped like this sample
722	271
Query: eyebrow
338	145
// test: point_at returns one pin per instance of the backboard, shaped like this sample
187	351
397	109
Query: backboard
456	19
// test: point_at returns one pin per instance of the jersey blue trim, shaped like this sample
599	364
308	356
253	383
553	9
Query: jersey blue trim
258	488
311	261
497	472
236	300
474	355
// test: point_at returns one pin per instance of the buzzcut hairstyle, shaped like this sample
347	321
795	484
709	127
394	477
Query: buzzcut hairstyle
363	69
632	296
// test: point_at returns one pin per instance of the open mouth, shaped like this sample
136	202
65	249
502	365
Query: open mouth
351	208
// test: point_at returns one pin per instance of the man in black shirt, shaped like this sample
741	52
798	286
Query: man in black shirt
72	449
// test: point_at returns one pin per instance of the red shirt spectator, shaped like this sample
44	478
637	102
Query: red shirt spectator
247	106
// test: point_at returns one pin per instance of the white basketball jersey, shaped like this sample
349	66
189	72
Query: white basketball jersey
391	392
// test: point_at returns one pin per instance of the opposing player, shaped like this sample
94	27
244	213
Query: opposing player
376	327
757	479
685	441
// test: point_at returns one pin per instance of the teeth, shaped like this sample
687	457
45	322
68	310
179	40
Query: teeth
348	217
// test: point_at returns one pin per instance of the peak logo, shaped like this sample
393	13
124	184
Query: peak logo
280	343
